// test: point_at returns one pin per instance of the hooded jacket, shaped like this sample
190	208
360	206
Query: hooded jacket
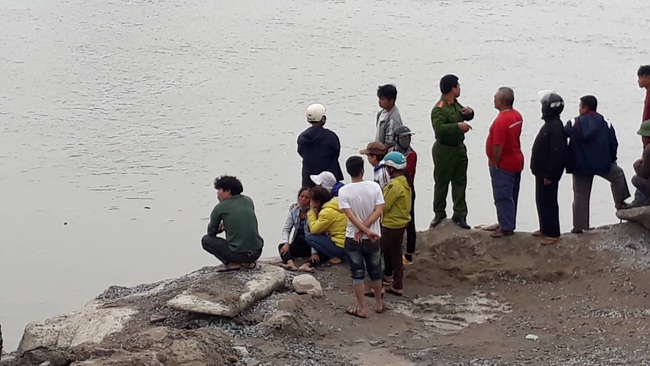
320	149
549	155
397	206
592	145
331	221
386	128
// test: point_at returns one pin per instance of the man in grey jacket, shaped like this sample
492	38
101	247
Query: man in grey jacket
388	117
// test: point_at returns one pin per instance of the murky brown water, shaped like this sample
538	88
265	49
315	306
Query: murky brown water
115	116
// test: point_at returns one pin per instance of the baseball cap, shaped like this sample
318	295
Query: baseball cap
325	179
374	147
315	113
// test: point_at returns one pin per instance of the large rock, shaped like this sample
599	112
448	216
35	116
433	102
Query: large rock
228	294
91	324
307	284
640	215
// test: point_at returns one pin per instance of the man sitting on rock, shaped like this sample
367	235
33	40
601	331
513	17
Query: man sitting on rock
642	166
234	214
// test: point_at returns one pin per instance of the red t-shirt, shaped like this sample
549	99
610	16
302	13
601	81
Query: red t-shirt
505	131
646	107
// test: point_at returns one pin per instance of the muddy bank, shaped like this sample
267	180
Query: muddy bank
470	299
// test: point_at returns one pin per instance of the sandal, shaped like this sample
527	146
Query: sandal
537	234
354	311
228	269
392	291
251	265
383	309
549	241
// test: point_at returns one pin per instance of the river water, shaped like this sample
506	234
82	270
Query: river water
116	115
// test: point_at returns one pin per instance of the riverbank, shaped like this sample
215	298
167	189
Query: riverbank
469	299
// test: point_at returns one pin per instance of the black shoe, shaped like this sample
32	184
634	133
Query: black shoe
461	222
435	222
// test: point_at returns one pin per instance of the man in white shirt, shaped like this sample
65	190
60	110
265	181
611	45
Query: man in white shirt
363	204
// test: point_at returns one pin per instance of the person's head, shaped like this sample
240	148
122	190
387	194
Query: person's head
315	114
319	196
504	98
325	179
552	104
449	86
375	152
644	132
227	186
354	166
303	197
395	163
588	103
644	76
402	136
387	95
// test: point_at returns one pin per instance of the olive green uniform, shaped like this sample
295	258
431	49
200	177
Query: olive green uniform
449	158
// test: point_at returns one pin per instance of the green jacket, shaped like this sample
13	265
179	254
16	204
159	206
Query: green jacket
445	118
397	206
238	216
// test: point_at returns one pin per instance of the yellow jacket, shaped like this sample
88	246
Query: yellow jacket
397	209
331	221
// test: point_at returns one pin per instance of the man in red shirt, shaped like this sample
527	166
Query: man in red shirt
505	160
644	82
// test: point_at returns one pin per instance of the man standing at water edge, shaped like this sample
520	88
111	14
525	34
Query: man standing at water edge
592	151
319	147
644	82
505	160
388	118
234	214
449	152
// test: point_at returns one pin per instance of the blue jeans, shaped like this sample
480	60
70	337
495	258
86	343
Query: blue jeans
505	189
364	255
325	246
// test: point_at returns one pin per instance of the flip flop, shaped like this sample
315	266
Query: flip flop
354	311
228	269
372	294
384	309
392	291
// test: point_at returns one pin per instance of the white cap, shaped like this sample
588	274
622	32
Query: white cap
325	179
315	113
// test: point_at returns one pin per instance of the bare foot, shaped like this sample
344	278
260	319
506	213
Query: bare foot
306	268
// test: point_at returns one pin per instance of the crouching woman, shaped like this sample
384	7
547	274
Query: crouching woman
327	225
294	244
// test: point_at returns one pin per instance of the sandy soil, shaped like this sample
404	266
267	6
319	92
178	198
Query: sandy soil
469	300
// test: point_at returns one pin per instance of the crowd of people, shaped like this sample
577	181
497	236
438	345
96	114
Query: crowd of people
363	221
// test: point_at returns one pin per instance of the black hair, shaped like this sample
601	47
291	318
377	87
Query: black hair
354	166
447	83
644	71
379	157
302	189
320	194
387	91
229	183
590	102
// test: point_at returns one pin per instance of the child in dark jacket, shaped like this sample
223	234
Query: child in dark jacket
547	162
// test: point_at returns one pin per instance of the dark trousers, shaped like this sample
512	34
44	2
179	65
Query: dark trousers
505	190
582	194
220	248
391	248
297	249
411	235
548	210
449	166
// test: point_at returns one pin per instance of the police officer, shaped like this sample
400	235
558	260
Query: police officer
449	152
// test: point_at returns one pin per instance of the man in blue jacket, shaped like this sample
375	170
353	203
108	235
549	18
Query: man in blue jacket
592	151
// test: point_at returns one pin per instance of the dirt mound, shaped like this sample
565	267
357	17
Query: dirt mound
453	255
